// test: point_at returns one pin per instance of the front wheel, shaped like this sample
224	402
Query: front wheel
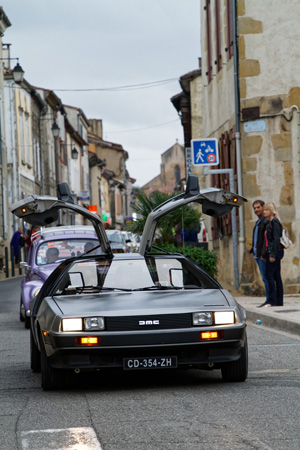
237	370
51	378
35	355
22	311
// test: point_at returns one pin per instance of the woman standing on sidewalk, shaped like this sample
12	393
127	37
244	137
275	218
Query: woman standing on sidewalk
273	255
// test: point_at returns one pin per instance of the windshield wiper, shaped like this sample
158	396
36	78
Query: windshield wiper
90	289
157	288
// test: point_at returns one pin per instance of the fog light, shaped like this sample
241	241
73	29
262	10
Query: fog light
90	340
202	318
207	335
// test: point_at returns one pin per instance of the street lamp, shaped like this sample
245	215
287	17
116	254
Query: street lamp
74	153
55	130
18	72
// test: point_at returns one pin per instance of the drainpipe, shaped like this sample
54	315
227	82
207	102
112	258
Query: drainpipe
237	129
233	222
298	139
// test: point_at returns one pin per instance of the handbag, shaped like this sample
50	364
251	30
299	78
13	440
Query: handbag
285	240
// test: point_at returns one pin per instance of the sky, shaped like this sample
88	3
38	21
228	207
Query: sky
139	48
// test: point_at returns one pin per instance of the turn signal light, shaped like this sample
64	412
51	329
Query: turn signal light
207	335
89	340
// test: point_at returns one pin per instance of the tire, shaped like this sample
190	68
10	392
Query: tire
27	322
22	316
35	355
51	378
237	370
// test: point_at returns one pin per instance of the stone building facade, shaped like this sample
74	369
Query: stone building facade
251	84
172	171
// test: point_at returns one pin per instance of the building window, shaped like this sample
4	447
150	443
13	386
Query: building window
177	174
229	29
208	40
21	128
27	146
218	61
36	159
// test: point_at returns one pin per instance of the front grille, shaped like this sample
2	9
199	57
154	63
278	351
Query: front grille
157	322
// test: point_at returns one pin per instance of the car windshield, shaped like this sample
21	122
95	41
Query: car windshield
115	237
151	273
56	250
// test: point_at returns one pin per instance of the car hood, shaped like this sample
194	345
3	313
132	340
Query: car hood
45	271
143	302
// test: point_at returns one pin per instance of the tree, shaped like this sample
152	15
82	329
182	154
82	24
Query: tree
186	218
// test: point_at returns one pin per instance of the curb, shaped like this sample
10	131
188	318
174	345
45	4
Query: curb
289	326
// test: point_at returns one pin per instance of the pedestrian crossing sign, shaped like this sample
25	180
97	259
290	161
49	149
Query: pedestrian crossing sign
205	152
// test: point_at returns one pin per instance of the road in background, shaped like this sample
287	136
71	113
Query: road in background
186	410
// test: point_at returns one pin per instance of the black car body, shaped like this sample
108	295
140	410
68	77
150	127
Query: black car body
135	311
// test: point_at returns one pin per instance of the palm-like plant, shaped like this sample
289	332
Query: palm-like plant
185	218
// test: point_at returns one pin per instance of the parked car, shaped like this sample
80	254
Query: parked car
131	241
117	241
50	246
143	311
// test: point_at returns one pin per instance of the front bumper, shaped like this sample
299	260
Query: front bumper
190	351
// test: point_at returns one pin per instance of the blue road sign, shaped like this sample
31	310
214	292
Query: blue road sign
205	152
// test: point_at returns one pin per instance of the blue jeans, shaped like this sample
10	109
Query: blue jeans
262	268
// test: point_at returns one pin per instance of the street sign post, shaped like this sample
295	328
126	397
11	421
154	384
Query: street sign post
205	152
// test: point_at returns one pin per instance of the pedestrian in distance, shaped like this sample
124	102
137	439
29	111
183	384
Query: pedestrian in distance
273	253
17	241
2	253
258	240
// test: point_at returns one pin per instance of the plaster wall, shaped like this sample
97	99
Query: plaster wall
218	94
276	48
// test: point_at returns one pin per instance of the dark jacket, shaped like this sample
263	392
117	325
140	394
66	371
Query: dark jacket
260	237
274	233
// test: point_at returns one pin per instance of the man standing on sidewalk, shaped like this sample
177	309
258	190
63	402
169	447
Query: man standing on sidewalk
258	241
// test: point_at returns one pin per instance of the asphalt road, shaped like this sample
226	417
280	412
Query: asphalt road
178	410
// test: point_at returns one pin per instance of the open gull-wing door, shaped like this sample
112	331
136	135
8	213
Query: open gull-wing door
43	210
215	202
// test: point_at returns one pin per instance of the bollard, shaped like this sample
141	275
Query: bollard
6	263
12	257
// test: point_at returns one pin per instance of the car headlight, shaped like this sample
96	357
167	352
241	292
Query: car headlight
213	318
94	323
223	317
71	324
202	318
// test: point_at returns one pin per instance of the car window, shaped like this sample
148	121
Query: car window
115	238
51	251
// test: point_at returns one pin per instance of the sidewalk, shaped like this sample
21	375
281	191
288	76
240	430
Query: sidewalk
285	318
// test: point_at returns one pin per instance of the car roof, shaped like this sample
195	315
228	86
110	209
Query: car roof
67	231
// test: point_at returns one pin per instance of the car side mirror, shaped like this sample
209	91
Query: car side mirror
176	277
64	193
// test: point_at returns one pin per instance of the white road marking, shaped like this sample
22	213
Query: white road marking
60	439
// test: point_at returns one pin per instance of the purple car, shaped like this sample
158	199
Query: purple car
49	248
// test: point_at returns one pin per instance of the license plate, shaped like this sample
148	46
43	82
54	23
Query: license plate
160	362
